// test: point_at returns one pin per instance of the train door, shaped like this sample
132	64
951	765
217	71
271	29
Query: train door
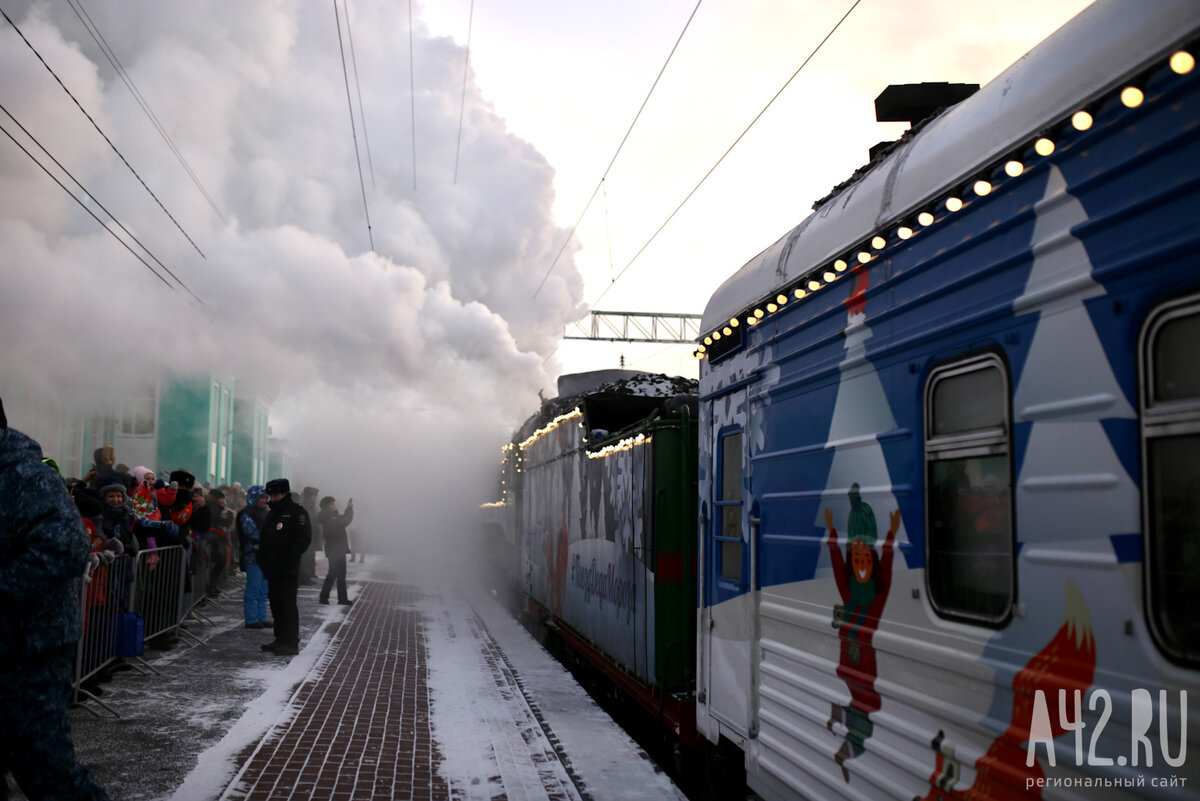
729	579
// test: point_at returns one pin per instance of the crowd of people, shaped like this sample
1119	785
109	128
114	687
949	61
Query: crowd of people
55	530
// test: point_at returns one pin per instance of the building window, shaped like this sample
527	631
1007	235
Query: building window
1171	454
729	506
138	413
970	542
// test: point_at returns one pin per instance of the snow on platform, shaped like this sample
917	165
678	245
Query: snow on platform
412	692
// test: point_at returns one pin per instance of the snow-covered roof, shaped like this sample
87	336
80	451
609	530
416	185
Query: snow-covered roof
1109	39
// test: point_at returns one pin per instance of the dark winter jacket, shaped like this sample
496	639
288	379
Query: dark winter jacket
42	549
333	526
285	536
122	523
106	473
249	525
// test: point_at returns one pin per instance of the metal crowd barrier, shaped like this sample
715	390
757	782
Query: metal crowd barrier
136	599
161	576
105	604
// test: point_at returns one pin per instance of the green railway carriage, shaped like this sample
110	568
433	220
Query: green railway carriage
599	505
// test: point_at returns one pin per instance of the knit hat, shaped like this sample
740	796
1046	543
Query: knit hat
277	486
115	485
862	520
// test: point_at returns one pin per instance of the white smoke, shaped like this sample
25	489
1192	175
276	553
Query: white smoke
439	316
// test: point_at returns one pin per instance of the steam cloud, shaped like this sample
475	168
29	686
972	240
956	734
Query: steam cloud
435	329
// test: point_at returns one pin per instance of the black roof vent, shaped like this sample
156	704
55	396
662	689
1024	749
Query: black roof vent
913	102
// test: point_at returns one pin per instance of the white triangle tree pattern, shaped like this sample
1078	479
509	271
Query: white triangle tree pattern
1071	485
860	413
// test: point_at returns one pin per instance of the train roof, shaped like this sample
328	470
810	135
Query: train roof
1084	59
611	399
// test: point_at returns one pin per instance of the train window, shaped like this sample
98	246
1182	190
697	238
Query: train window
730	506
1171	453
970	540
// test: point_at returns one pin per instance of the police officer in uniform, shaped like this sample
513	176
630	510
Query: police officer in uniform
285	536
43	548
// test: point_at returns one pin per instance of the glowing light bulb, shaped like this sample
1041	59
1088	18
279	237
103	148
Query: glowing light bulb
1081	120
1013	168
772	308
1182	63
758	313
799	293
781	299
953	204
728	331
752	320
1132	97
904	232
878	242
1043	147
734	321
982	188
829	277
840	265
716	335
813	286
699	349
863	257
925	218
708	340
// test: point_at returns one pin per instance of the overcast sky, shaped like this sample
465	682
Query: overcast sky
273	268
569	77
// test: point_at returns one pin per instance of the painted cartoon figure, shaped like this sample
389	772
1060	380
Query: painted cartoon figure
1067	662
863	583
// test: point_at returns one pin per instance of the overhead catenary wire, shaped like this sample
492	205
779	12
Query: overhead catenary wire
353	132
362	114
728	150
91	196
93	215
613	160
462	107
412	95
739	138
120	155
94	30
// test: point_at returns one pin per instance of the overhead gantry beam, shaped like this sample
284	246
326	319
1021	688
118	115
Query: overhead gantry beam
609	326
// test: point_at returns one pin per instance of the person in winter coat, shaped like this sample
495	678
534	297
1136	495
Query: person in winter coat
249	524
180	510
308	563
218	540
146	496
121	522
103	471
42	552
337	545
285	536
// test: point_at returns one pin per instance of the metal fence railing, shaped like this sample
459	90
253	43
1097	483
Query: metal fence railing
105	596
161	576
132	600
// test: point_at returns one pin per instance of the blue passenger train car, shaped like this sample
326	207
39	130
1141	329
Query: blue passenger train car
949	436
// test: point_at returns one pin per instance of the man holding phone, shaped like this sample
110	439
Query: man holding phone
337	545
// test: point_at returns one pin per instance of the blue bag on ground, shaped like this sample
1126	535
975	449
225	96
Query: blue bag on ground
130	630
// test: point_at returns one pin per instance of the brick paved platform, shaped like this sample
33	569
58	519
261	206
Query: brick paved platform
360	727
364	723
